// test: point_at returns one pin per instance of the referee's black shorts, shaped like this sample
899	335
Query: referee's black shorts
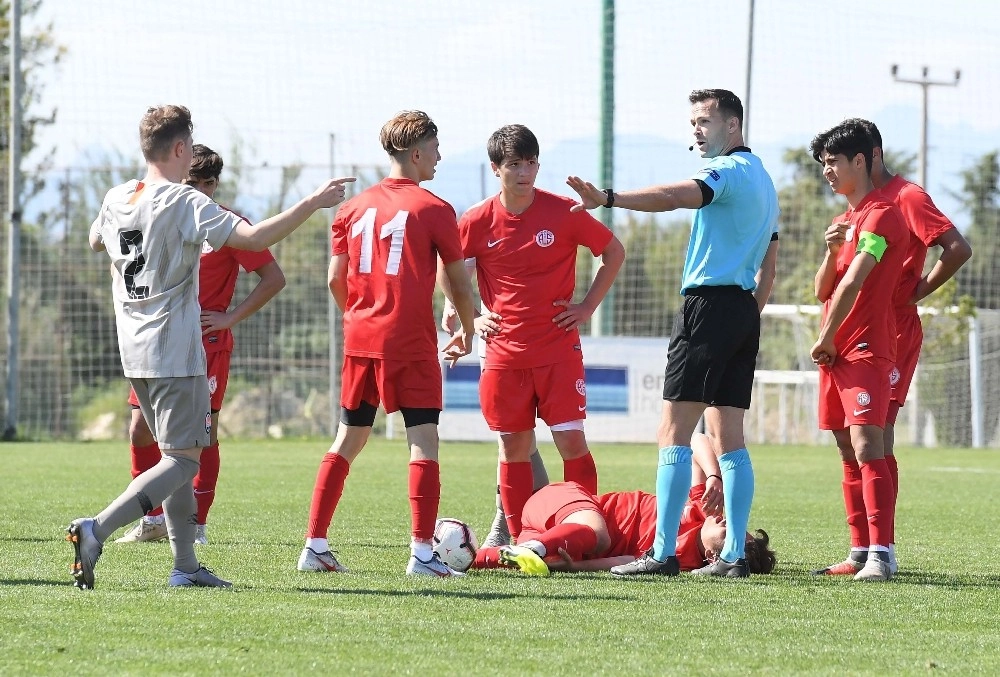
713	348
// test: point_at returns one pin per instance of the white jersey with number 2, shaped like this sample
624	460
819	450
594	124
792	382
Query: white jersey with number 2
154	234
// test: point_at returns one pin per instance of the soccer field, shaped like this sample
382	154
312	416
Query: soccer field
940	614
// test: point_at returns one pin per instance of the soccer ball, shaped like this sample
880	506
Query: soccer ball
455	543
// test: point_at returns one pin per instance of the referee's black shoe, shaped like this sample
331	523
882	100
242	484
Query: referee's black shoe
724	569
647	565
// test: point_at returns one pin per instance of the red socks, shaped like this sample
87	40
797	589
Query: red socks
206	480
425	496
854	503
894	474
879	501
516	482
333	471
583	471
577	540
144	458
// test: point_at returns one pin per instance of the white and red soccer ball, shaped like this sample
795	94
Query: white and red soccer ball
455	543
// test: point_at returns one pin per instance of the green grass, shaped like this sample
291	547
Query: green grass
940	614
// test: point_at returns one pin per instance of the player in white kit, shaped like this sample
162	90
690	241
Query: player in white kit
153	232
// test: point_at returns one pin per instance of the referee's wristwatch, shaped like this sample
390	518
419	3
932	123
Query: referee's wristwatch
610	192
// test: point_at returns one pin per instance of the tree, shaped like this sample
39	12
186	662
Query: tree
39	51
980	198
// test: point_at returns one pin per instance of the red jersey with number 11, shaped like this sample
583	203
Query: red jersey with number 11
393	234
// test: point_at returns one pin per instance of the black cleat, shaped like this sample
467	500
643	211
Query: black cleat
648	566
724	569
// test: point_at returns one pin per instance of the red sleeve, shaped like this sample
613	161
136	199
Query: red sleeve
338	233
466	235
251	261
445	236
590	232
922	216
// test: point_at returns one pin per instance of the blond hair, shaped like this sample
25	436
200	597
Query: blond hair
405	130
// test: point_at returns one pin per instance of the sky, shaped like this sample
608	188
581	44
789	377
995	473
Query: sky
287	77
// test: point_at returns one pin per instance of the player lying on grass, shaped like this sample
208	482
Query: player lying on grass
566	528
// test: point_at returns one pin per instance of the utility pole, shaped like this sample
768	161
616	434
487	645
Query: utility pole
925	84
602	321
15	92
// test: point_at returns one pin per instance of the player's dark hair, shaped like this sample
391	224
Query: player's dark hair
161	127
512	142
849	138
207	164
870	128
729	104
405	130
760	558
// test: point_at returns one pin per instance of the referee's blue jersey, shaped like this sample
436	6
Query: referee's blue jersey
730	235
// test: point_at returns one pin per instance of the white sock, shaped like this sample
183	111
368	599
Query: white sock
534	546
318	545
422	551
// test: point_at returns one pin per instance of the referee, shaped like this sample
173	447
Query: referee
728	275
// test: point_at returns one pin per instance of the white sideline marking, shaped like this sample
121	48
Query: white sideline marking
948	468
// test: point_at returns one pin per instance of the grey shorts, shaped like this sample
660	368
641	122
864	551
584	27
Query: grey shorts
178	410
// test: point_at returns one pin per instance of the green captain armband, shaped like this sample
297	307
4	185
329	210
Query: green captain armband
873	244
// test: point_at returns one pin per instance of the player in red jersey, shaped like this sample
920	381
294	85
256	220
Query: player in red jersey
385	244
565	528
524	241
928	227
856	349
216	287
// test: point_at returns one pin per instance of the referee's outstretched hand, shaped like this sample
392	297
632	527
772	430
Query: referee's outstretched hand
591	196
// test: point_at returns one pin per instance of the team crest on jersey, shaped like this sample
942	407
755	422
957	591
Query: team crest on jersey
864	399
894	376
545	238
581	386
208	423
213	384
206	248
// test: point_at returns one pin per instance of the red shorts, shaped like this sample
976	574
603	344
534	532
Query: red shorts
392	383
854	393
909	338
511	398
552	504
218	379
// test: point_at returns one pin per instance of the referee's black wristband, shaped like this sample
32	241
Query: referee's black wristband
610	192
711	476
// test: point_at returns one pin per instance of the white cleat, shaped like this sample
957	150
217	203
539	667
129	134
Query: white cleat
200	538
145	532
432	567
875	569
86	551
310	560
202	578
